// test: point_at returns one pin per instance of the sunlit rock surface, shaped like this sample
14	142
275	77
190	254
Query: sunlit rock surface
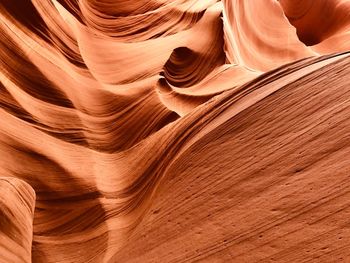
175	131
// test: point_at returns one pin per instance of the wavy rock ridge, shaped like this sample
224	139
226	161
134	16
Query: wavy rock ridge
175	131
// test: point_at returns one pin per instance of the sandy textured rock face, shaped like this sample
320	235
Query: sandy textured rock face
17	200
175	131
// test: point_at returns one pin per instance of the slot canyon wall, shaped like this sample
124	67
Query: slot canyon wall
175	131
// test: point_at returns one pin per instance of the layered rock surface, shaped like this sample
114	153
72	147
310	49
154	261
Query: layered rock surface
175	131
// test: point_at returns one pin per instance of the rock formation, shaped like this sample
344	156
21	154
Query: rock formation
175	131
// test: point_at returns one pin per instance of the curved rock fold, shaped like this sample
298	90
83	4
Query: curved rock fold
174	131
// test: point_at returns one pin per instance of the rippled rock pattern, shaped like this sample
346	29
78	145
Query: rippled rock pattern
175	131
